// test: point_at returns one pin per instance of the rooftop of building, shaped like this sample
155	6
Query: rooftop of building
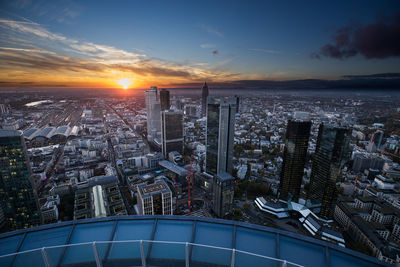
5	133
210	242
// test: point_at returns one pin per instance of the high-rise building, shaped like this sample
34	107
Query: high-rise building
204	95
154	199
223	191
164	99
171	132
332	152
18	199
220	131
294	158
153	108
375	142
237	103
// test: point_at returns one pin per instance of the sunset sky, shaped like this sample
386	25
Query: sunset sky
115	44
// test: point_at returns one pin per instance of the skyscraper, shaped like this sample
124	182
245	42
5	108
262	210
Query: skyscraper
375	142
294	158
17	196
237	103
153	108
164	99
223	191
331	153
204	95
171	132
220	131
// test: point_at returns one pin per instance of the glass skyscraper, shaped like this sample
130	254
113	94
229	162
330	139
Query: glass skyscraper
204	95
171	132
294	158
220	131
164	99
153	108
17	195
332	152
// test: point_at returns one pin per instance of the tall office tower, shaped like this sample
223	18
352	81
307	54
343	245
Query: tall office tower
237	103
171	132
154	199
332	152
204	95
223	191
375	142
164	99
18	199
220	130
294	157
153	108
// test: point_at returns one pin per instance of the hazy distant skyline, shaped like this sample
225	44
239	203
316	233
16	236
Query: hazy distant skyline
171	43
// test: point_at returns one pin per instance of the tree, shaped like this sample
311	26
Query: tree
237	214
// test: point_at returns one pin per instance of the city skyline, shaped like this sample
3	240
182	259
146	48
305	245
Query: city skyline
136	45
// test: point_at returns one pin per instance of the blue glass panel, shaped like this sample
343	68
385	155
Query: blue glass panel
294	250
79	254
219	235
244	260
338	258
130	230
9	244
134	230
168	230
32	258
178	231
254	241
46	238
87	233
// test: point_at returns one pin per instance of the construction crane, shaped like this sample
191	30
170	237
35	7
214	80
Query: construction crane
189	180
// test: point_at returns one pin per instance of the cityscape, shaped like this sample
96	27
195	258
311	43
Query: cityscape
120	157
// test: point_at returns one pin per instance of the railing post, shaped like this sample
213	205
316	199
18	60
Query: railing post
284	263
96	255
233	258
187	254
45	258
142	254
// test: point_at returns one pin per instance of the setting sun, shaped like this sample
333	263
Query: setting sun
125	83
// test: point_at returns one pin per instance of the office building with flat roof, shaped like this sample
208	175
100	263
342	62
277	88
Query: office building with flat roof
18	199
154	199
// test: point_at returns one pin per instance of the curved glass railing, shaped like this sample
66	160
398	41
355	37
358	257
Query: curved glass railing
138	253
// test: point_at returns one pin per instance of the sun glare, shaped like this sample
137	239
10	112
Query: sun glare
125	83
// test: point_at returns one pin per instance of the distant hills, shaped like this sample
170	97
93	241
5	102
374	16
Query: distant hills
373	81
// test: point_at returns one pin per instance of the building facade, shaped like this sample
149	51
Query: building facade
223	191
332	152
154	199
18	199
294	157
204	95
220	134
164	99
171	132
153	108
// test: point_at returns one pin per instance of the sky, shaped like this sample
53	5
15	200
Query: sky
136	44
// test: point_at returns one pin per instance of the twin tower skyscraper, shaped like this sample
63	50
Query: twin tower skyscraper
332	152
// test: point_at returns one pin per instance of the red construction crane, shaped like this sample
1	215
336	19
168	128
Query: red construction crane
189	180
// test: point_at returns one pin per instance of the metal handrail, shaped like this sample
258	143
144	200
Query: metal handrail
94	244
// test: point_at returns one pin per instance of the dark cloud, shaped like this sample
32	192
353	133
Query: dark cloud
215	52
377	40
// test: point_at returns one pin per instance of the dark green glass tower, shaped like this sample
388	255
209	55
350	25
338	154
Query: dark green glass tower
294	158
17	195
332	152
